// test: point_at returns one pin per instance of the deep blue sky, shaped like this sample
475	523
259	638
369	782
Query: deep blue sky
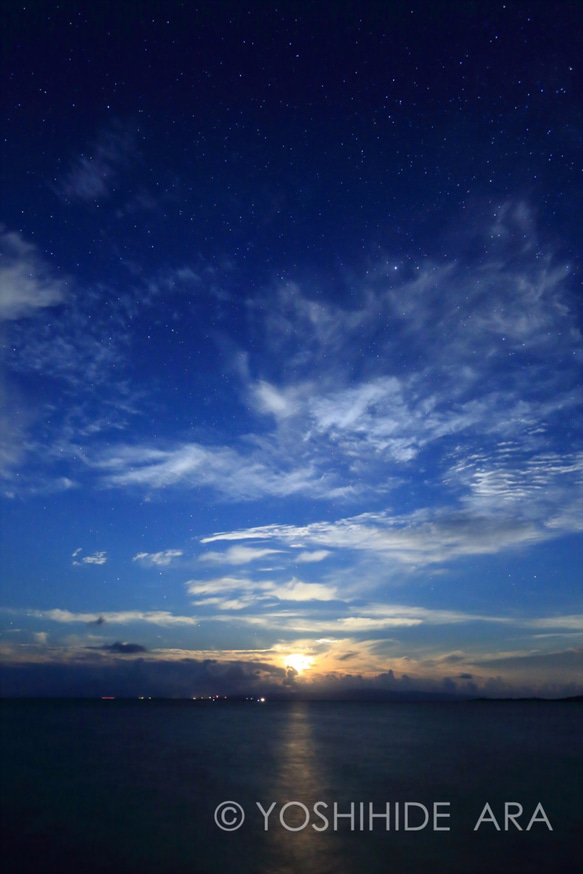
291	331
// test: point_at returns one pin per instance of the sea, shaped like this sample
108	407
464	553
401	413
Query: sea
289	787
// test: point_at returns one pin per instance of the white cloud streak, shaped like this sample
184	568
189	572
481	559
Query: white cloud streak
240	592
309	557
121	617
237	555
158	559
232	474
417	540
97	558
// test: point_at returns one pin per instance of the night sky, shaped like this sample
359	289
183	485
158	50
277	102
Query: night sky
291	304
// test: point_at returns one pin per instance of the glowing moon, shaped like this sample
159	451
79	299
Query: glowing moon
299	662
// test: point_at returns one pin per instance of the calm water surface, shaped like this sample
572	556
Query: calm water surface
131	787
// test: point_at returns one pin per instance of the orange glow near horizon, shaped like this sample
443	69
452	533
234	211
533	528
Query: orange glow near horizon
299	662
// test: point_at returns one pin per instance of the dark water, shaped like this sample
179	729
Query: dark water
130	787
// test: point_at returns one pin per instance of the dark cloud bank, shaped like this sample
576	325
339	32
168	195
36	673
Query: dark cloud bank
124	673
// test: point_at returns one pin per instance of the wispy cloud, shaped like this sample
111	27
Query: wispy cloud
235	593
288	608
28	283
347	402
419	539
158	559
236	555
233	474
461	355
568	623
94	175
309	617
119	617
95	558
546	487
308	557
